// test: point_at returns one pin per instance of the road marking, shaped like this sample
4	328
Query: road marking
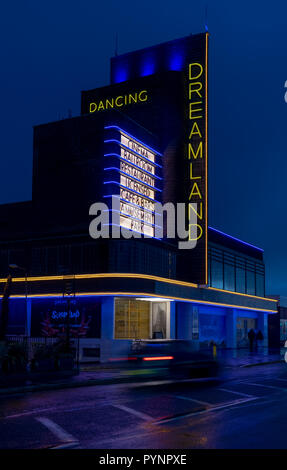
236	393
68	445
261	385
59	432
28	413
43	410
153	383
209	410
193	399
54	409
134	412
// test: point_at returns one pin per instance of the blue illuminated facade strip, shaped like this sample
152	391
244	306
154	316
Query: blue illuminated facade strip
235	239
134	138
115	141
132	164
195	302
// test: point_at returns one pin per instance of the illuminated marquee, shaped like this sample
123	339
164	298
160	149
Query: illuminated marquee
196	154
132	174
118	101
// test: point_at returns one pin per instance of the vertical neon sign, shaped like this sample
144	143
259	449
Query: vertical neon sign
196	155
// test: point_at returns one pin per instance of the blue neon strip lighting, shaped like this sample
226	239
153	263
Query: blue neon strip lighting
131	190
134	178
133	164
135	138
236	239
78	294
131	203
132	217
132	151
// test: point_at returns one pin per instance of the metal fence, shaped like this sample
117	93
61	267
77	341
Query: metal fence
30	345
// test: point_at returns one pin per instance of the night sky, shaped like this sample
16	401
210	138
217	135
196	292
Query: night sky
50	51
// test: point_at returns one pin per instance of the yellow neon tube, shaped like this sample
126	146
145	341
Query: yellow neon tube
133	276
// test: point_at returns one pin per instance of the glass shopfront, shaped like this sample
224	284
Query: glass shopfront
140	319
243	325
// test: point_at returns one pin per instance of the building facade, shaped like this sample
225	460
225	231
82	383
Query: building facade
139	142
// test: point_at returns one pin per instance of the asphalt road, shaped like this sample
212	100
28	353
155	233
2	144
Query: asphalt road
246	409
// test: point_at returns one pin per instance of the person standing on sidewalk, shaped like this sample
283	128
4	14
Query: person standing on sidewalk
259	338
251	337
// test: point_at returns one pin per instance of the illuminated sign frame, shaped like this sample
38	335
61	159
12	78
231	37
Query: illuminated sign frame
132	174
196	153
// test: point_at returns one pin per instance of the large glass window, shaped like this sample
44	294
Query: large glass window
217	274
240	279
141	319
233	272
250	282
229	277
260	284
159	320
283	330
132	319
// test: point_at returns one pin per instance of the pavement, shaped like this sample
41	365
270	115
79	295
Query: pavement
245	358
103	374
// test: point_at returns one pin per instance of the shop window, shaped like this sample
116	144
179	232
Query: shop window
283	330
132	319
159	320
140	319
243	325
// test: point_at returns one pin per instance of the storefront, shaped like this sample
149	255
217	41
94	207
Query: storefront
104	326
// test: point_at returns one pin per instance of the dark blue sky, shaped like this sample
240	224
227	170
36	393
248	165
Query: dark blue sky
50	51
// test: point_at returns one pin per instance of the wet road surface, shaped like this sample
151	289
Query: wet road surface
245	409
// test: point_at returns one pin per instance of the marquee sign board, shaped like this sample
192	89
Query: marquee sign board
131	173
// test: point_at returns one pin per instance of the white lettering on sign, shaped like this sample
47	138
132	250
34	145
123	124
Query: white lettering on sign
138	174
137	147
136	160
138	186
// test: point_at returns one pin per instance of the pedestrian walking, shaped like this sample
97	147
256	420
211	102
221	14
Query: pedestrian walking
251	337
259	338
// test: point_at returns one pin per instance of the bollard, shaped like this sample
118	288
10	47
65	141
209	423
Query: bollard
214	350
